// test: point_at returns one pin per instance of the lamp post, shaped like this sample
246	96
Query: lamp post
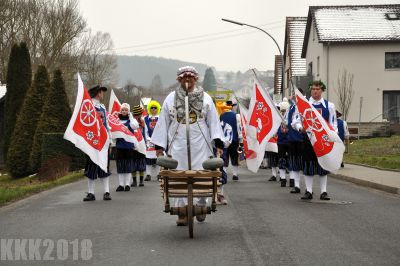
277	45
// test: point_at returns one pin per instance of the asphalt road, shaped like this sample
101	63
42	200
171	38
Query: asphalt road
262	225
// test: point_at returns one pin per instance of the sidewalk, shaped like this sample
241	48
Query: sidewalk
388	181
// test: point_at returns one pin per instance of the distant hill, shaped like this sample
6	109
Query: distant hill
142	69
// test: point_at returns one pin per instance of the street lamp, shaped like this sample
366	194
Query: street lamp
277	45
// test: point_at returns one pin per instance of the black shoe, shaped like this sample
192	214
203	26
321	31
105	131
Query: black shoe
106	196
307	196
283	182
235	177
201	218
127	188
273	178
295	190
89	197
342	165
291	182
324	196
141	184
120	188
148	178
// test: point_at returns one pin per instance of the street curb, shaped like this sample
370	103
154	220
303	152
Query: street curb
22	201
365	183
375	167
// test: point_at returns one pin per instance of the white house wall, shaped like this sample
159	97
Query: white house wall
367	63
315	49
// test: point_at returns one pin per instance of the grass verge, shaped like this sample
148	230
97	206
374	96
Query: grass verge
15	189
378	152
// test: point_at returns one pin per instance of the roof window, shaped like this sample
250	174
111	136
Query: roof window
392	16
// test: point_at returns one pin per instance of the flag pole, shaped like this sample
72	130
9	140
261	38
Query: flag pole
283	120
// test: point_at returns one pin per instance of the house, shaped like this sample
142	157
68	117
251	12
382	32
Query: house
278	76
3	90
295	65
363	40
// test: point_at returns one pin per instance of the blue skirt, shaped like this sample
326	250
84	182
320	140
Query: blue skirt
139	162
272	159
310	162
93	171
295	156
151	161
124	160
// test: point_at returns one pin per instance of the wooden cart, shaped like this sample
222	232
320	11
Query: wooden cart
189	184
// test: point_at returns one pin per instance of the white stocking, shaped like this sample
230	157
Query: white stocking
235	170
296	179
282	173
127	178
90	186
273	171
121	178
309	182
106	184
323	180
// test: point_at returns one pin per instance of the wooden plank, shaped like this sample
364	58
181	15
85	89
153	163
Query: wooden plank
191	173
196	195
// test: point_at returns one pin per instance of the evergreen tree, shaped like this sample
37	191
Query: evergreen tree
209	82
54	118
28	118
19	78
156	84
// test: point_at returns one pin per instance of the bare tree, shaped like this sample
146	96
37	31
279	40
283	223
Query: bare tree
96	59
57	37
345	91
10	25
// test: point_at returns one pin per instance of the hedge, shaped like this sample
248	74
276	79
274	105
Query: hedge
54	144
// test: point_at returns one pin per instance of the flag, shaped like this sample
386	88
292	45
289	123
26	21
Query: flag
272	145
119	130
86	130
264	121
248	154
326	143
114	105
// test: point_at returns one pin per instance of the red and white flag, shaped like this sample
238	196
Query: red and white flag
272	145
114	106
264	121
326	143
119	130
86	130
248	154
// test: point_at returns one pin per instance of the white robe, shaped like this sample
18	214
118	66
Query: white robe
167	125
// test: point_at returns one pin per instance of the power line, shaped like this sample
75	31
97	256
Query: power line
193	37
193	42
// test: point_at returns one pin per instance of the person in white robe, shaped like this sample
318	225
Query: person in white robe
169	135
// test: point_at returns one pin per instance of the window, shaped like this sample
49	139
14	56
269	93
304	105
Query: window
317	66
392	16
391	106
310	69
392	60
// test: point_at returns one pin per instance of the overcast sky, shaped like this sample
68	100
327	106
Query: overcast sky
193	31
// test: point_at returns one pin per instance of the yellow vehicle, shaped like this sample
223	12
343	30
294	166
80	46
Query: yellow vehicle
220	97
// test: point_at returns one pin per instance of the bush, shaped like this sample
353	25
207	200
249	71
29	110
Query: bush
19	79
55	167
18	161
54	144
54	118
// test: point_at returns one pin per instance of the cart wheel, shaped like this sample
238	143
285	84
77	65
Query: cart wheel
190	210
